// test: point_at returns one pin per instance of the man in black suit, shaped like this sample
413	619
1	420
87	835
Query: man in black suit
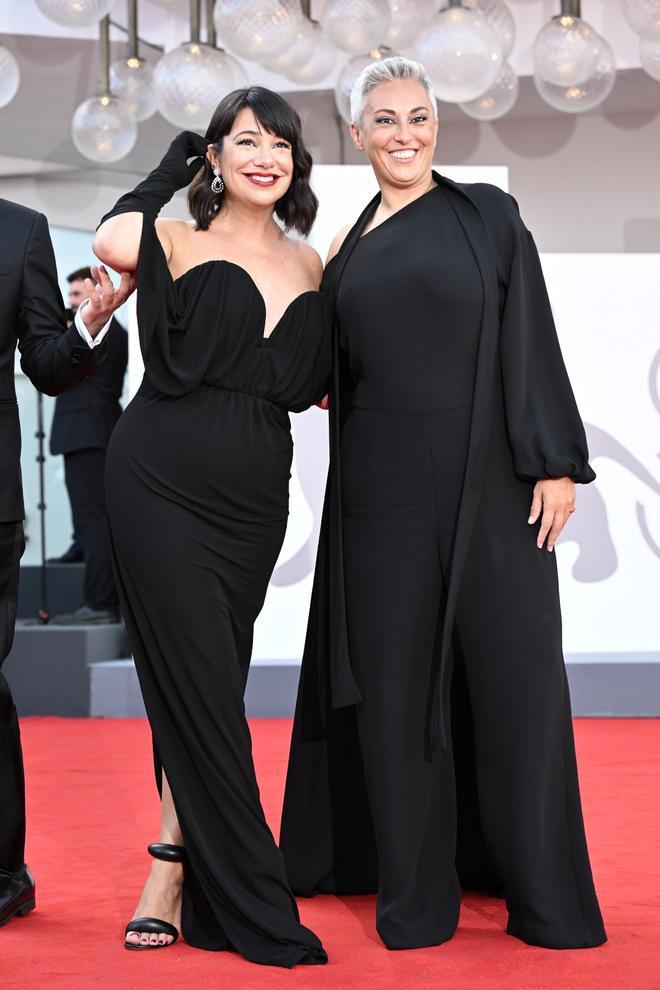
54	358
83	421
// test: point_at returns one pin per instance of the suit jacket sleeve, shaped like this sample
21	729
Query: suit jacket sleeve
52	357
544	426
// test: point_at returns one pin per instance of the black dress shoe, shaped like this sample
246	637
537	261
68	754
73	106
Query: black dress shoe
17	894
86	616
72	556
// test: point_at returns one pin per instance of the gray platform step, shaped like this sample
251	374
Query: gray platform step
615	684
115	690
48	668
80	671
64	589
599	687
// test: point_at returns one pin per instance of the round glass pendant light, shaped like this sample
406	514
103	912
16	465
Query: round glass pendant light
320	63
496	101
257	29
643	16
649	54
10	76
566	51
104	129
131	79
189	82
75	13
356	25
586	94
461	53
500	19
297	54
407	20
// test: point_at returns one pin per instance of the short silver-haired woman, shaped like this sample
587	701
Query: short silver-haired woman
433	745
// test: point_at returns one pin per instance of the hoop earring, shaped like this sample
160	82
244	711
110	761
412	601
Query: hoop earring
217	185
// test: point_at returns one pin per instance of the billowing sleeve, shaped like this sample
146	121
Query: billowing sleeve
544	426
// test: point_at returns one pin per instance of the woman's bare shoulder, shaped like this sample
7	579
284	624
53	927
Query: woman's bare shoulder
173	228
172	233
308	258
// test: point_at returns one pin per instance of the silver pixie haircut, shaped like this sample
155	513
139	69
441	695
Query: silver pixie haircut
388	70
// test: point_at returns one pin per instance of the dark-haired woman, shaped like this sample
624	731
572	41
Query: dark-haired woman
234	334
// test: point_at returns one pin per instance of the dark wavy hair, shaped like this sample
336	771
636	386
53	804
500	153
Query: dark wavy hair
297	207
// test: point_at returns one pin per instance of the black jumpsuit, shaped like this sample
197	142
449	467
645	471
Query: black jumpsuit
409	316
197	489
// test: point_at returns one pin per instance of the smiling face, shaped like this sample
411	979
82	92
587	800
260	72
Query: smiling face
256	166
398	131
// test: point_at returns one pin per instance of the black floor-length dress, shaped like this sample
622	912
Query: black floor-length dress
197	489
367	806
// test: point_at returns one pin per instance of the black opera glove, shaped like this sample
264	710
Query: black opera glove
173	173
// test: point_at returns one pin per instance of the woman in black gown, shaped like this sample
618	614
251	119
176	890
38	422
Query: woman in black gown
451	413
234	333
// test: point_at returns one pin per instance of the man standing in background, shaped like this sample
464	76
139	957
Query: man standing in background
83	421
54	358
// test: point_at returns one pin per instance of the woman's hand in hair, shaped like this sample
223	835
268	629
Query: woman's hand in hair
185	156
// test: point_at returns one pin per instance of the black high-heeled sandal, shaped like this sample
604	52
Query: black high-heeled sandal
155	926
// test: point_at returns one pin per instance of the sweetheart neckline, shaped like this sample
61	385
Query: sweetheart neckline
232	264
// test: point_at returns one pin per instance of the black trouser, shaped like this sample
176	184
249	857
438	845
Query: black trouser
402	482
84	471
12	783
516	826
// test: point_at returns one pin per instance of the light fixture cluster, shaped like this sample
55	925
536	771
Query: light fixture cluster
464	45
643	16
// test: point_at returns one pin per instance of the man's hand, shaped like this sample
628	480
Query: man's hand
102	297
555	498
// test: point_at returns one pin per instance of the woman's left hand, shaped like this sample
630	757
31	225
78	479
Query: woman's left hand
553	502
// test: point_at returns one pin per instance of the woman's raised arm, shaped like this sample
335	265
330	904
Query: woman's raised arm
117	241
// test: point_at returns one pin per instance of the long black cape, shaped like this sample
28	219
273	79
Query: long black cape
518	341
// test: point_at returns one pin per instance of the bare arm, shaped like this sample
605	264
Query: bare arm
117	241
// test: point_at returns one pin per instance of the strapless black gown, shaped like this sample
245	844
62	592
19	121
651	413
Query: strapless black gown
197	490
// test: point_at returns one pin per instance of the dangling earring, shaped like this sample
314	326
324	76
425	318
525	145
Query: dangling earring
217	185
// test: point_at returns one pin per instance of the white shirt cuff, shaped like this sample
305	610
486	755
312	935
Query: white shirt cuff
84	332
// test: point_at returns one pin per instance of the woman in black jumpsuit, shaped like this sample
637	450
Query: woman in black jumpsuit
197	488
450	399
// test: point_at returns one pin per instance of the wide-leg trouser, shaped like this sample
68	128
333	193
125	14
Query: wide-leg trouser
402	476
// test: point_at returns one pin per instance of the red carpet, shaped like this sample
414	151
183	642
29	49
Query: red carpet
92	809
